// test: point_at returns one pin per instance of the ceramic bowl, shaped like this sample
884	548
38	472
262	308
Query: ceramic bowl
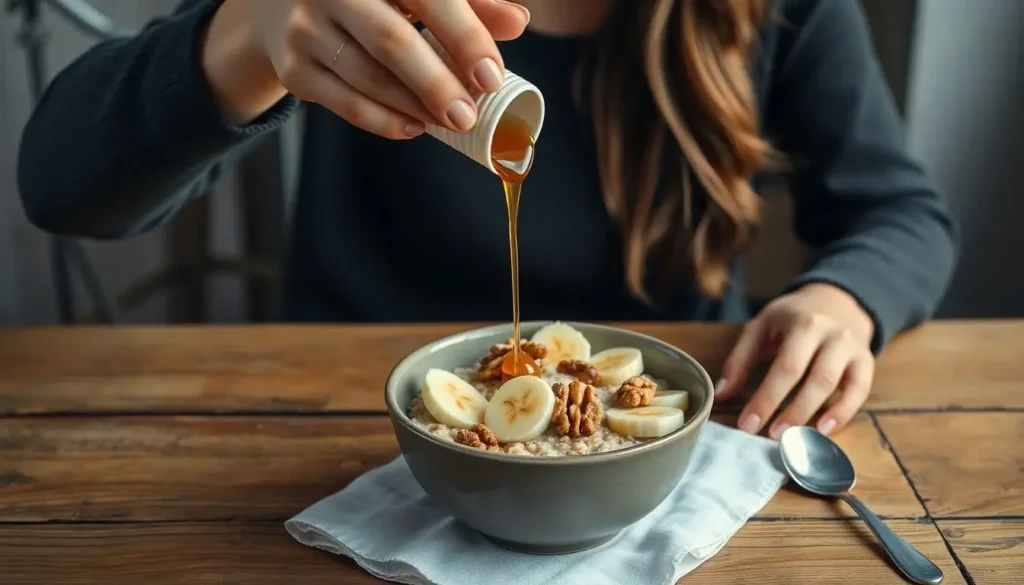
548	505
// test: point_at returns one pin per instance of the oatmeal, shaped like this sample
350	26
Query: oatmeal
576	404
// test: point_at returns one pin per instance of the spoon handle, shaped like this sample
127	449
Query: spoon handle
913	564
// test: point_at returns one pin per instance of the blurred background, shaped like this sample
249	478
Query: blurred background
955	67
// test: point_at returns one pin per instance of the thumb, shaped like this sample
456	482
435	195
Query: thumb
744	356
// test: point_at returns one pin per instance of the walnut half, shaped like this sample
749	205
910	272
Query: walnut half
578	412
583	371
489	367
636	391
480	437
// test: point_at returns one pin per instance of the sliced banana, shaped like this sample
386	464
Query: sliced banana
674	398
563	342
520	410
618	364
452	400
645	422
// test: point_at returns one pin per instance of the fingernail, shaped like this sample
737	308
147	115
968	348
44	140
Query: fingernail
719	386
523	9
415	129
827	426
488	75
750	423
779	429
461	115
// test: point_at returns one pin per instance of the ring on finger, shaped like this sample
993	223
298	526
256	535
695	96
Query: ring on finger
337	53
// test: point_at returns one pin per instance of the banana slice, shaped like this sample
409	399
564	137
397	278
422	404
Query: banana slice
563	343
452	400
645	422
618	364
520	410
674	398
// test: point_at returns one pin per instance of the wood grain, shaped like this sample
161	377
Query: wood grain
259	368
182	468
168	554
818	552
975	364
962	464
284	368
798	552
992	550
268	468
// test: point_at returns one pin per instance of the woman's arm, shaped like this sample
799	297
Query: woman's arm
135	127
883	233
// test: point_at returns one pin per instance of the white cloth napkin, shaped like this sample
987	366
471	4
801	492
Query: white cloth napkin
390	527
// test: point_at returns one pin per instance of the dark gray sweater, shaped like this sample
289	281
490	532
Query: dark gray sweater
413	231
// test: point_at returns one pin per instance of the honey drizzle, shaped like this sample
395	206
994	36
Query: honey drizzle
512	153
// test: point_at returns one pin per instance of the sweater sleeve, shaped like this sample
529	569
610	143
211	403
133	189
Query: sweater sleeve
129	132
881	230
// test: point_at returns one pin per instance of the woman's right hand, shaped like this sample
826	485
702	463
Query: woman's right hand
365	61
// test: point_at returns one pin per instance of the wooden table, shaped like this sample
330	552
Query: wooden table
173	454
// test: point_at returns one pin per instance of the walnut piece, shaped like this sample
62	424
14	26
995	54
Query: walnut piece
578	412
480	437
636	391
583	371
490	365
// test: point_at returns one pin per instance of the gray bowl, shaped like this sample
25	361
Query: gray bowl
548	505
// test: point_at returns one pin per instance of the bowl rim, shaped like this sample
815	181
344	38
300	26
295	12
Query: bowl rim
689	427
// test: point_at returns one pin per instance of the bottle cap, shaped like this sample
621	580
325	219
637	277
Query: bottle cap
517	96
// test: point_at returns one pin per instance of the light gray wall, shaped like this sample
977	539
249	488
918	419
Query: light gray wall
966	114
26	291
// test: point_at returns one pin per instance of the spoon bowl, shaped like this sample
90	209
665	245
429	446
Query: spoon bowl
818	465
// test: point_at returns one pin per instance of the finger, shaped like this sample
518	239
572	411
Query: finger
467	41
822	380
338	51
790	365
855	390
744	356
324	87
399	5
395	44
504	20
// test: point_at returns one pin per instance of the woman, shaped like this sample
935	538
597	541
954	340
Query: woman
663	117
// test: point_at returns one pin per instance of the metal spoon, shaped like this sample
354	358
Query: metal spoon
819	466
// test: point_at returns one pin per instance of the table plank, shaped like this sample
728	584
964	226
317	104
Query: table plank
165	554
950	364
294	368
168	368
206	467
992	550
962	464
808	551
182	468
258	554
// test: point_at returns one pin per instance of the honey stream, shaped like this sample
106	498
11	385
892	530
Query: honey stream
512	153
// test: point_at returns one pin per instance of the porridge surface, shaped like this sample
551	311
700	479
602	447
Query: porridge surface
550	443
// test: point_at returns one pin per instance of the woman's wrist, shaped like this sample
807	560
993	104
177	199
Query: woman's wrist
238	71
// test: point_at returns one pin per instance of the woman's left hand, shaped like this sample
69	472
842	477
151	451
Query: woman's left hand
818	334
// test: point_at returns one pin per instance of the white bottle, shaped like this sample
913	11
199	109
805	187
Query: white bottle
517	96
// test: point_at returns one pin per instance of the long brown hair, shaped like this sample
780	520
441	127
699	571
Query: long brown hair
673	102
